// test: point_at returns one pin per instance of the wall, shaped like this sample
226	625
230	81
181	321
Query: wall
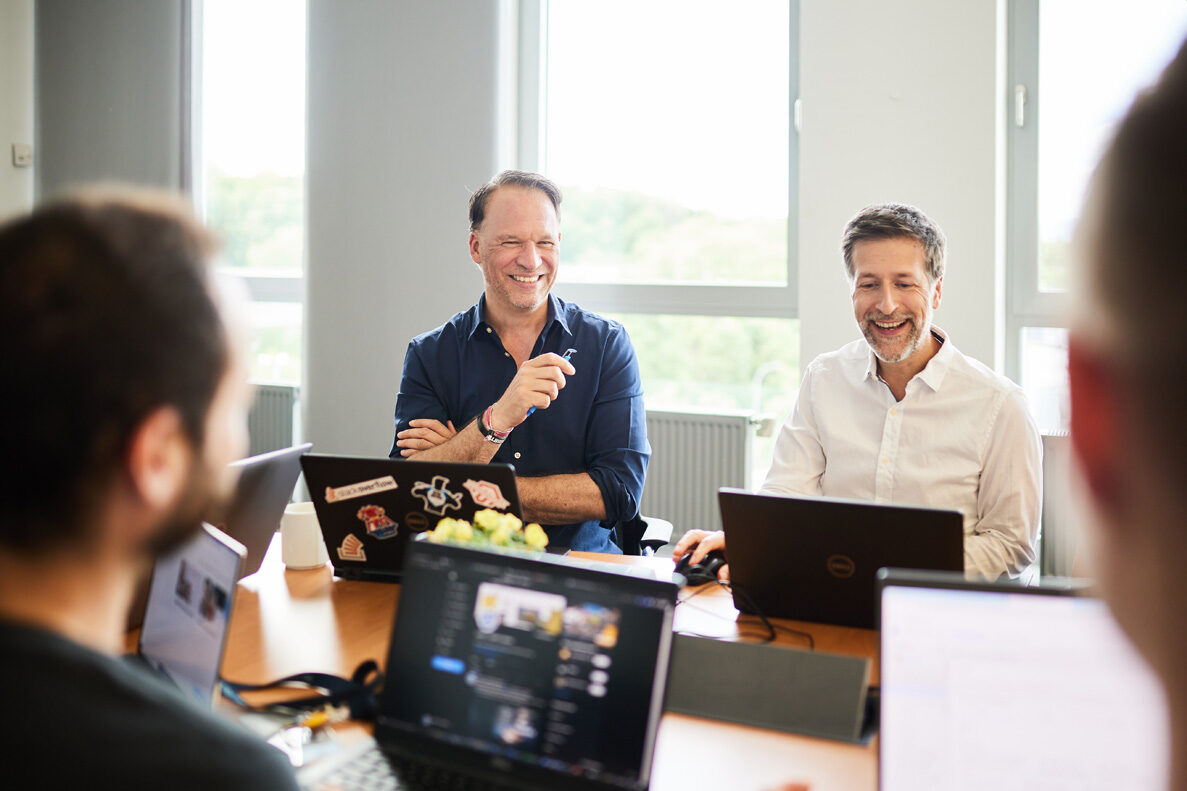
402	126
109	92
899	104
16	102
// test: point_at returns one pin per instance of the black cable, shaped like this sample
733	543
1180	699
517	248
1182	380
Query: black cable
749	602
772	628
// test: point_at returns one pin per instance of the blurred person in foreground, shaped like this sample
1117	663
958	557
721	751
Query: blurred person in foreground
124	399
1127	363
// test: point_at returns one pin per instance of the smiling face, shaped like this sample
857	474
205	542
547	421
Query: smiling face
893	299
516	246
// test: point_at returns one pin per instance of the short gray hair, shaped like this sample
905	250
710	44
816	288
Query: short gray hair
511	178
896	221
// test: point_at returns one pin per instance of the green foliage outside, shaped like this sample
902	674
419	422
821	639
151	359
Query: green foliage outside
261	219
614	236
712	363
1054	266
261	223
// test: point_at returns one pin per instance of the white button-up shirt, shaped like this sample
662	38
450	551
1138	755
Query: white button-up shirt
961	438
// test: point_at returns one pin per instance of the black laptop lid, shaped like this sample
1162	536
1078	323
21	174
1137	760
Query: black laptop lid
535	666
989	686
815	559
369	508
265	487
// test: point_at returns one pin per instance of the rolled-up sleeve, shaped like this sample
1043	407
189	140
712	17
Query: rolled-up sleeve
417	398
1010	495
616	447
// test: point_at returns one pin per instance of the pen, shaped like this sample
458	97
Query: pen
567	356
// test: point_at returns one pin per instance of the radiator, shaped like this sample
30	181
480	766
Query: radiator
1059	539
270	423
693	454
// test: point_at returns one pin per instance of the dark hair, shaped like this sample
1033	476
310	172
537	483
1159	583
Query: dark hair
895	221
509	178
105	316
1131	236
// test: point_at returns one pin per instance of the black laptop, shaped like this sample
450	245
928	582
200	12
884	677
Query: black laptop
983	682
815	558
184	633
519	673
265	487
368	509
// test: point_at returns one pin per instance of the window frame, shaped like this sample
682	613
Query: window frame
1026	304
260	286
743	301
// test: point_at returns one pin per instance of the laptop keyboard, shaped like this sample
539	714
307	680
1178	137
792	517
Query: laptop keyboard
372	770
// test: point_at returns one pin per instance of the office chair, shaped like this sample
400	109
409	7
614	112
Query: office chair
642	535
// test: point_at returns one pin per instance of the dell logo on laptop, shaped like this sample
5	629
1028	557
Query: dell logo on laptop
840	566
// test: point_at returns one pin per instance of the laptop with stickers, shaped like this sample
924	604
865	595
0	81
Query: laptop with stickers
370	508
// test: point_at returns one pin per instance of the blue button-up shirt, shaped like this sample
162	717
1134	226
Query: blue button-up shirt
596	425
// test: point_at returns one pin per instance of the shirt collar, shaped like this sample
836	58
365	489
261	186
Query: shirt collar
475	317
932	374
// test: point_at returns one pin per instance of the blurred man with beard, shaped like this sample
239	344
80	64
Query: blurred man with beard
1127	365
123	402
902	416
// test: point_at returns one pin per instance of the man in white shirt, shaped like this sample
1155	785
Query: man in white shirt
902	416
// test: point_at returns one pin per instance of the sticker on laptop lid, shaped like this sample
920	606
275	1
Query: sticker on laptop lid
416	521
379	524
486	494
352	548
436	497
360	489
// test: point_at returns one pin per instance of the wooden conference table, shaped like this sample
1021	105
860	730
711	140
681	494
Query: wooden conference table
288	622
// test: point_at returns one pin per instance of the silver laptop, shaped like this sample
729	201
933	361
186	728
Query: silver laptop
1001	686
184	633
265	487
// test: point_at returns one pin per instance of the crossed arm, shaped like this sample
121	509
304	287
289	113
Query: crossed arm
550	499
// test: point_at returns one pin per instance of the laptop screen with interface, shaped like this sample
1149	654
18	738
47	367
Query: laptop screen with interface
989	688
529	663
189	608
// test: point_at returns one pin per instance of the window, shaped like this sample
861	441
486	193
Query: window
1075	66
668	128
251	165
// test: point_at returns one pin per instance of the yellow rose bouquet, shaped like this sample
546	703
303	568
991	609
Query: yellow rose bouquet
490	529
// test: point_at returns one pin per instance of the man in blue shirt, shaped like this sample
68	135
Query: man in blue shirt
575	430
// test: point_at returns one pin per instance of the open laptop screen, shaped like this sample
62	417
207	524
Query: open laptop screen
530	661
987	688
189	607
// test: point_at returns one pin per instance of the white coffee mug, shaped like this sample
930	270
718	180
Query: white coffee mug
301	543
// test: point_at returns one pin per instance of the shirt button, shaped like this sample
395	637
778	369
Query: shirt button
894	412
488	330
506	354
885	460
517	454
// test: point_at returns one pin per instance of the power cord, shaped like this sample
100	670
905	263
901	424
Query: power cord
771	628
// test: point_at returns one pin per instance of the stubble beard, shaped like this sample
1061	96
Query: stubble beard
910	342
198	503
